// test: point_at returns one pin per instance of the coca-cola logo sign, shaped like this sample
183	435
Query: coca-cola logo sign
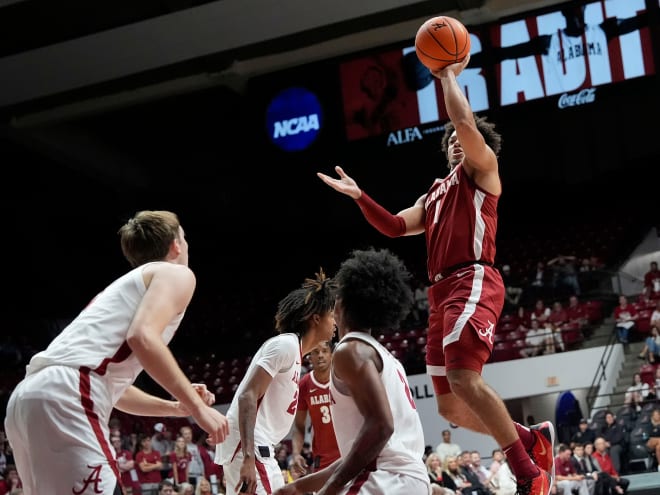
582	97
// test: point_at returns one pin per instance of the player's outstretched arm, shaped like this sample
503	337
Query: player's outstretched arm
407	222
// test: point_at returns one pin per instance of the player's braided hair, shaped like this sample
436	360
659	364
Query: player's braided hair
316	296
487	130
374	289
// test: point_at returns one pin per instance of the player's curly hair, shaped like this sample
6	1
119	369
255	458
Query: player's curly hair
487	130
316	296
374	289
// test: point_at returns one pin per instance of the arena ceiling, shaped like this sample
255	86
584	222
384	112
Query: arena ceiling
59	59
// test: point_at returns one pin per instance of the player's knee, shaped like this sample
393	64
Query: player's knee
464	383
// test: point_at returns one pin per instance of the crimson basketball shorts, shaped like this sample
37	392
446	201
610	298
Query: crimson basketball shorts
464	309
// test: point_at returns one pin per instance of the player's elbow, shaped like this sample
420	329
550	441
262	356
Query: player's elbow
382	430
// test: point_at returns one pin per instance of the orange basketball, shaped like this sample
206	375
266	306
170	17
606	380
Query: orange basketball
441	41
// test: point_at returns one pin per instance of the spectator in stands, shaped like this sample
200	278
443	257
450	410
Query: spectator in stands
186	488
161	440
534	340
453	477
502	480
655	316
470	473
653	443
540	312
434	468
203	486
566	477
652	280
584	435
637	393
166	487
625	315
656	387
199	456
576	312
552	338
180	461
580	466
446	448
558	315
564	274
5	457
482	471
149	464
125	463
651	349
513	289
614	440
11	481
606	463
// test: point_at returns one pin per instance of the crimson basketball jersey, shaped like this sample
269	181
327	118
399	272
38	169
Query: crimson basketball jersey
461	222
314	397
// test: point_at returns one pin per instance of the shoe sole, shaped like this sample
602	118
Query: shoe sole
552	446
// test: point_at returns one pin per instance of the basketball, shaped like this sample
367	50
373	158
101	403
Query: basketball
442	41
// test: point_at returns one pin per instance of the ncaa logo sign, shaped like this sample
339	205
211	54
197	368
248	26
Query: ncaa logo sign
293	119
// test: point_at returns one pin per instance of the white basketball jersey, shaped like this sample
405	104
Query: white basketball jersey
280	357
96	338
404	450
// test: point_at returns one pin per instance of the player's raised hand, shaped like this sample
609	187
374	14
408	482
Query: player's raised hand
456	68
345	184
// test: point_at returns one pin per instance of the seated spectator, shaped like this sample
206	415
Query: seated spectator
606	464
614	440
579	461
166	487
566	477
558	315
655	316
637	393
651	349
584	435
452	476
534	341
652	280
625	315
552	338
576	312
653	443
11	481
434	468
540	312
186	488
502	481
